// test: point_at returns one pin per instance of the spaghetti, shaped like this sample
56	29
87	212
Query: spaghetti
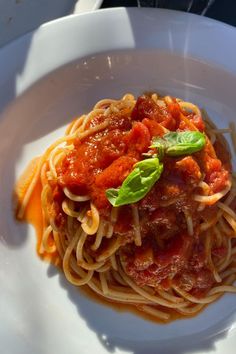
170	253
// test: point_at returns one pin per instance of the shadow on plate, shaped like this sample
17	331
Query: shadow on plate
9	143
21	124
107	329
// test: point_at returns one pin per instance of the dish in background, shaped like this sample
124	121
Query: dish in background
187	61
86	5
20	16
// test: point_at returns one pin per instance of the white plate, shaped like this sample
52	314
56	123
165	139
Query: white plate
46	78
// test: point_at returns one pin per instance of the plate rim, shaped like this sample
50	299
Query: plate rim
101	11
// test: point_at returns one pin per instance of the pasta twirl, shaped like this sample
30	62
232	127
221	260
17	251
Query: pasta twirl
169	252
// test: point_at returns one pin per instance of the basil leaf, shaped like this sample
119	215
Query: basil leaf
112	195
137	184
160	144
181	143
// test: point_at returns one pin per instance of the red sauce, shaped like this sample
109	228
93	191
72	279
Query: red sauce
104	161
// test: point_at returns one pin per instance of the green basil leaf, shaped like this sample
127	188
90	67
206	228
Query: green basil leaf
179	143
137	184
112	194
160	144
182	143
